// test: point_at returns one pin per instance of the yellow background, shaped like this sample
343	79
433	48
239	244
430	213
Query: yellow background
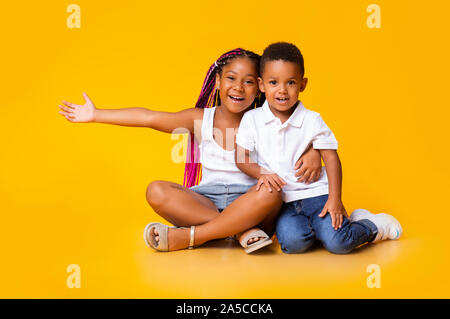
75	193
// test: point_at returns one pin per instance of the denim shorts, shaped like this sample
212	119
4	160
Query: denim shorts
222	195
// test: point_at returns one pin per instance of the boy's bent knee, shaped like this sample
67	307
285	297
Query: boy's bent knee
295	244
338	247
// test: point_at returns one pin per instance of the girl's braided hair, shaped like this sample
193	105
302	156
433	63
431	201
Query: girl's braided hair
209	97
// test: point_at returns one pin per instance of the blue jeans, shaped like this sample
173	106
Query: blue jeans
299	225
222	195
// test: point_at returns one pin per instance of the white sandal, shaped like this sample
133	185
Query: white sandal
265	241
163	243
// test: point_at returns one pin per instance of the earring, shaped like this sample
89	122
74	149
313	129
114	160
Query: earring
258	99
216	99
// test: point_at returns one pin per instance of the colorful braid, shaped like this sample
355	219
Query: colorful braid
209	97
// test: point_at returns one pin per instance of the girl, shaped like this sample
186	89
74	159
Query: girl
226	202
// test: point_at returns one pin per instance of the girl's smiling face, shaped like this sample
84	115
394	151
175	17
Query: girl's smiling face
238	84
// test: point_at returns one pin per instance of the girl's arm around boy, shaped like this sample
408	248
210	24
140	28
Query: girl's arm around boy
252	169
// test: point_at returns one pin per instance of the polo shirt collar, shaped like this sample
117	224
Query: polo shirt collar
296	118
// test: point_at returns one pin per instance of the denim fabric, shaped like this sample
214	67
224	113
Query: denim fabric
299	225
222	195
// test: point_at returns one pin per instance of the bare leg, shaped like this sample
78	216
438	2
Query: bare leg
165	198
267	225
247	211
180	205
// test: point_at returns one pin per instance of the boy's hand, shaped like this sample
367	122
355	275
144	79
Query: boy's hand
309	166
78	113
337	212
271	180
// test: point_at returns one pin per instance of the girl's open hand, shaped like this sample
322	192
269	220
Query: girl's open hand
271	180
78	113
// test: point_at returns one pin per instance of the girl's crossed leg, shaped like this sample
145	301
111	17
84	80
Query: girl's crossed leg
184	207
180	205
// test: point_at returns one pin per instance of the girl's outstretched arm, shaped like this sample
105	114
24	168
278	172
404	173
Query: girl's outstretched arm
133	116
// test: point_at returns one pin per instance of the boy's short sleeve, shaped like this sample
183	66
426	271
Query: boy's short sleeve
323	138
245	136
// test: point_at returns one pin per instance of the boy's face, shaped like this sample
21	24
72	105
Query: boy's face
282	82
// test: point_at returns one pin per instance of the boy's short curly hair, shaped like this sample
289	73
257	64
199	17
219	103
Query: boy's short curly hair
282	51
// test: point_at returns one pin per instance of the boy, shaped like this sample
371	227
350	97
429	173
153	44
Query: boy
278	133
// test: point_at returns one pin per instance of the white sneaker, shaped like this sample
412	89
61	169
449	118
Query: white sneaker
388	227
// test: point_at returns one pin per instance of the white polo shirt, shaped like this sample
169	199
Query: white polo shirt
277	147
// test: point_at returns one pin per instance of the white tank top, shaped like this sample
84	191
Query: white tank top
218	164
